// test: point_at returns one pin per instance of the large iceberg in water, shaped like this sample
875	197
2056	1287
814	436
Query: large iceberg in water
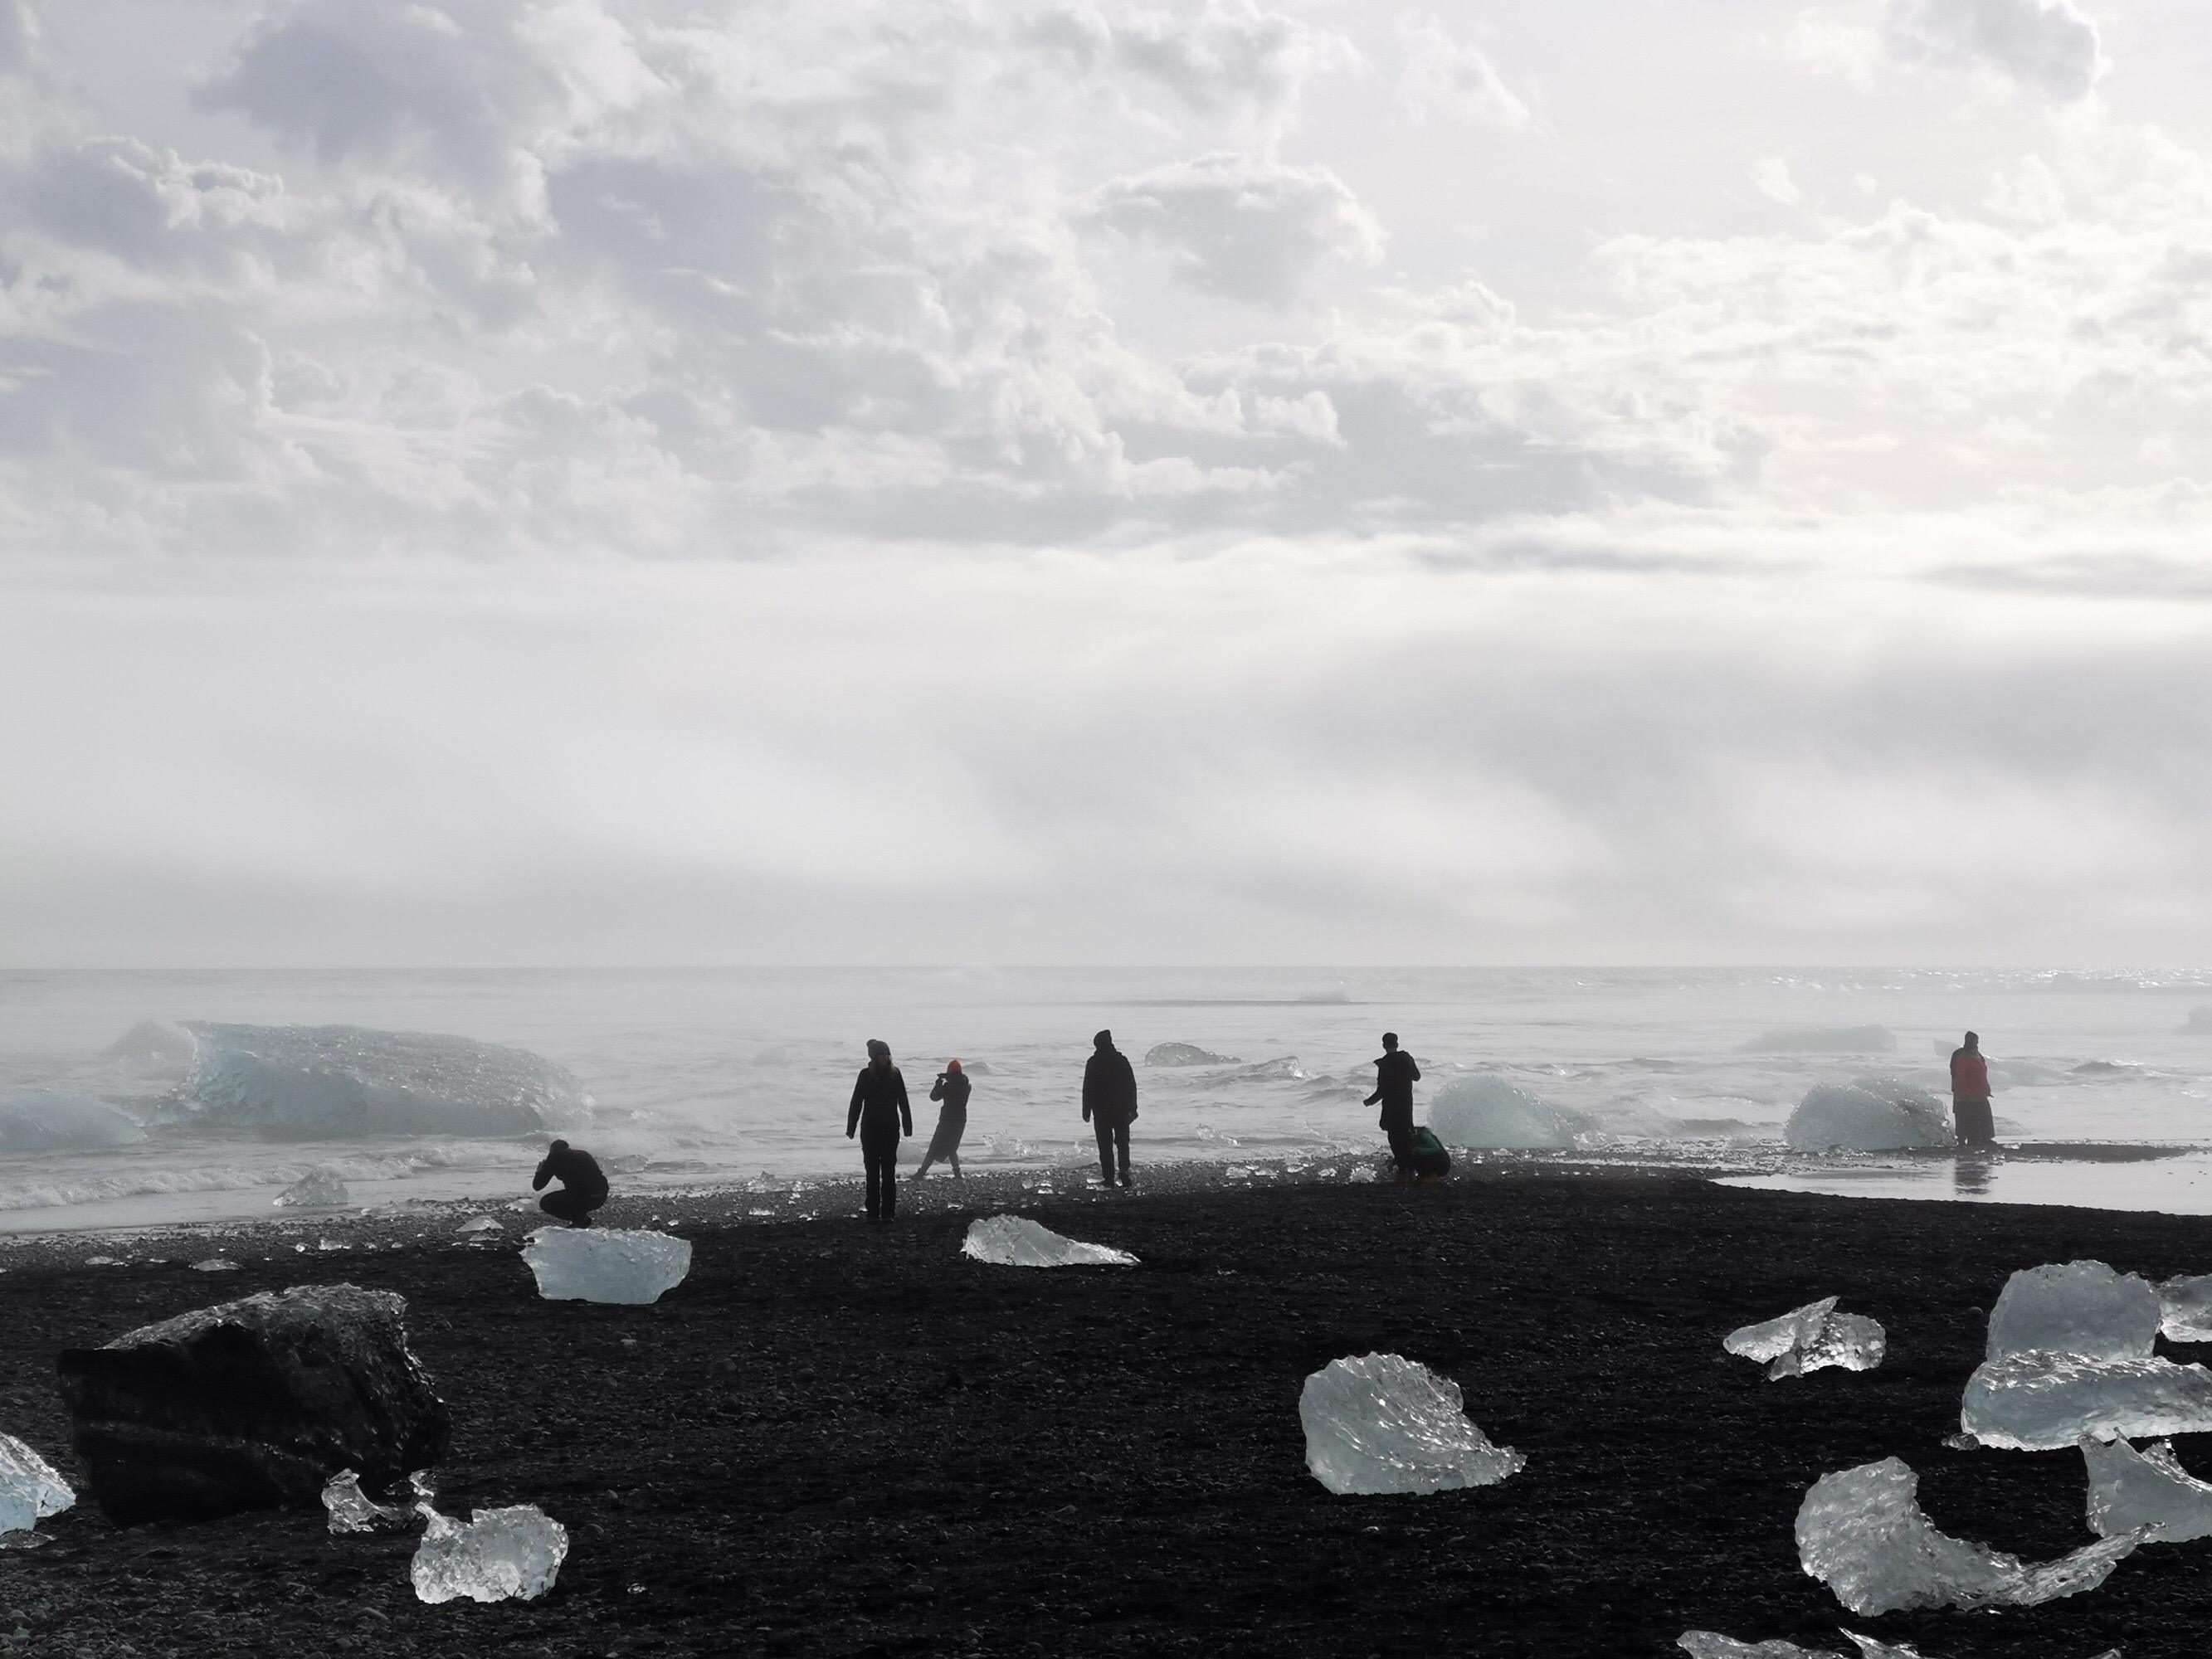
1382	1422
1869	1114
1483	1112
332	1080
1185	1053
1810	1338
1861	1532
606	1264
43	1123
1015	1241
2147	1492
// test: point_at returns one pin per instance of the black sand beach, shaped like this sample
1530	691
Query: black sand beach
837	1439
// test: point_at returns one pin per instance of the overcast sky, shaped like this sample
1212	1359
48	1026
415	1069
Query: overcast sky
1234	480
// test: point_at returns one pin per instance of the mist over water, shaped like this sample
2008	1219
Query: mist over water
124	1101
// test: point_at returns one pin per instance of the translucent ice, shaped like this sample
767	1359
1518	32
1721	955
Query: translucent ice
2185	1308
1704	1644
2082	1307
500	1554
1811	1339
2131	1490
2042	1400
215	1264
1861	1532
1185	1053
1384	1423
479	1223
1867	1115
30	1489
606	1264
1013	1241
45	1123
1490	1112
352	1510
319	1189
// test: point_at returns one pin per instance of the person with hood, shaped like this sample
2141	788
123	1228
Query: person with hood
1109	1104
583	1185
879	1113
1970	1095
951	1087
1396	1074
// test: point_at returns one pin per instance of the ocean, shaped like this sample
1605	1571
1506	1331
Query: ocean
134	1098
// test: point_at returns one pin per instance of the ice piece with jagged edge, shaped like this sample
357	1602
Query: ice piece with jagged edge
1862	1533
321	1188
1708	1644
2185	1308
2081	1307
352	1510
504	1554
1382	1423
2044	1401
1869	1115
607	1264
1810	1338
480	1224
1015	1241
30	1487
2147	1491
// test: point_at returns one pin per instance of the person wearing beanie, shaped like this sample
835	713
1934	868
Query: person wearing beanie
583	1189
1109	1104
1396	1074
952	1088
879	1113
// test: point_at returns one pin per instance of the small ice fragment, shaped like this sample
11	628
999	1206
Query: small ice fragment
606	1264
2044	1401
1861	1532
1706	1645
1382	1422
215	1264
1238	1172
1015	1241
479	1223
757	1211
2081	1307
1811	1339
1327	1172
352	1510
30	1488
2148	1491
501	1553
2185	1308
102	1262
320	1187
1362	1172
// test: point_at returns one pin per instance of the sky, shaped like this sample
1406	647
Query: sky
548	481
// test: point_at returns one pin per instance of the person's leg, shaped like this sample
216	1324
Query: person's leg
1104	1131
1401	1148
560	1204
1121	1149
875	1168
954	1156
890	1175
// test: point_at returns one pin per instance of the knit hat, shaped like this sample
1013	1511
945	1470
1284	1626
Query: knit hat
879	1049
951	1065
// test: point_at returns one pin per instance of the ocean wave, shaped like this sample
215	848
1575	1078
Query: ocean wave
43	1122
40	1192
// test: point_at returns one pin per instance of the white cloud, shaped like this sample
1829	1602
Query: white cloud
1444	76
2049	45
1771	177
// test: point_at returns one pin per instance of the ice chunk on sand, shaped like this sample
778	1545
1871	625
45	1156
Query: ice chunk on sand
215	1264
1706	1645
352	1510
2185	1308
2131	1490
1382	1423
30	1488
2044	1401
479	1223
2082	1307
1490	1112
1811	1339
1869	1114
513	1553
1014	1241
606	1264
319	1189
1861	1532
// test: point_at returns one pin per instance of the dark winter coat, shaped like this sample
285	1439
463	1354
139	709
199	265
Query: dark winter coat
1110	1088
880	1102
952	1088
1396	1074
574	1169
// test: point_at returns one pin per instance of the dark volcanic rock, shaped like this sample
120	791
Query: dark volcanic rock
252	1405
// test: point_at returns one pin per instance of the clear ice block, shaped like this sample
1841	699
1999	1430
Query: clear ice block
1382	1423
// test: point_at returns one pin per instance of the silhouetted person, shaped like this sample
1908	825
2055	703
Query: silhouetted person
1430	1161
1969	1094
951	1087
1109	1103
1396	1074
583	1184
879	1113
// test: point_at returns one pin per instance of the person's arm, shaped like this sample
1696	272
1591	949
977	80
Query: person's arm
1089	1085
853	1112
1412	1069
544	1174
906	1113
937	1089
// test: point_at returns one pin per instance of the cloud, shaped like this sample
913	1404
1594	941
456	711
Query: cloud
1445	77
1771	177
2049	45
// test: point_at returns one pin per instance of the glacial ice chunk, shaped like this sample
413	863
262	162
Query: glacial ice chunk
2185	1308
352	1510
320	1189
1861	1532
1869	1115
2080	1307
512	1553
30	1487
1707	1644
1810	1338
1185	1053
477	1225
606	1264
45	1122
2131	1490
1382	1422
215	1264
1485	1112
2042	1400
1014	1241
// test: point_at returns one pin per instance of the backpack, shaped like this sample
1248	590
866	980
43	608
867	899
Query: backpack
1430	1158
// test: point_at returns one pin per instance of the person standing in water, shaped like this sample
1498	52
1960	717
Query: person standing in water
1396	1074
583	1185
879	1113
1109	1103
951	1087
1970	1095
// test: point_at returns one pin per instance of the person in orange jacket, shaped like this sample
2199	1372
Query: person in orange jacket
1969	1094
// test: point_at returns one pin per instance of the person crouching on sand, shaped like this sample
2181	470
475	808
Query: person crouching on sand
1396	1074
1109	1103
879	1112
583	1184
1970	1095
951	1087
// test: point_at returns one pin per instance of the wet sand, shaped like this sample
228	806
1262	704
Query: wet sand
838	1439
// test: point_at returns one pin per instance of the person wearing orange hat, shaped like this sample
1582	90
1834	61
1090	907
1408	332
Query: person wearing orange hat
952	1088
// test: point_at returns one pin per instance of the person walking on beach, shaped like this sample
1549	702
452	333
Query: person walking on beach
583	1184
1396	1074
879	1113
1970	1095
951	1087
1109	1103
